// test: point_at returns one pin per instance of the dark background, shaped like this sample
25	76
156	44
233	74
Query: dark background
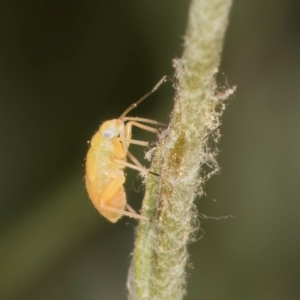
66	66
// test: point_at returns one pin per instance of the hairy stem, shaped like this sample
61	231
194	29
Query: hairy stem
185	150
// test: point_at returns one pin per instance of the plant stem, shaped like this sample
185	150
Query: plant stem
184	152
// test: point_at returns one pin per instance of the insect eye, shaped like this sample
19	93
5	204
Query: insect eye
108	134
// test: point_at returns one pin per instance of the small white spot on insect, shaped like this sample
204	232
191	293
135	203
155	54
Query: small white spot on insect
108	134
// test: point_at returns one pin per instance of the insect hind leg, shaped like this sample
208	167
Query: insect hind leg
125	135
125	213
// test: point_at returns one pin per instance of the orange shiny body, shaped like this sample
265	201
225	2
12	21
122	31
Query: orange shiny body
105	177
107	158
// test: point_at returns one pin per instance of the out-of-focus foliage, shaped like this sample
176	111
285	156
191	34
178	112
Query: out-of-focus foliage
65	66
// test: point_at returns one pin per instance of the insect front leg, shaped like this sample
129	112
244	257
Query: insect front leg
128	128
126	132
125	135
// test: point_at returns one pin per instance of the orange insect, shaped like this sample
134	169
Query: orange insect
107	158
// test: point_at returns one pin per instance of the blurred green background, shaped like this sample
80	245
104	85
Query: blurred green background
66	66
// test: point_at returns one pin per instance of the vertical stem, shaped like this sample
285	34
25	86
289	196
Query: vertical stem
185	149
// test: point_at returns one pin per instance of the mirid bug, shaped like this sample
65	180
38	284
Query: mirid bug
107	158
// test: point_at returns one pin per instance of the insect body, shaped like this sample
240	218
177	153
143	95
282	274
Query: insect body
107	158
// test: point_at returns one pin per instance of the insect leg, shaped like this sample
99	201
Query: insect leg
129	208
128	128
112	189
125	213
134	160
125	135
132	166
113	202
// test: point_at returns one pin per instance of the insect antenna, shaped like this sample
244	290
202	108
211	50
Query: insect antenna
135	104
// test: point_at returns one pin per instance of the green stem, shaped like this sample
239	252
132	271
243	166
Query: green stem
158	270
